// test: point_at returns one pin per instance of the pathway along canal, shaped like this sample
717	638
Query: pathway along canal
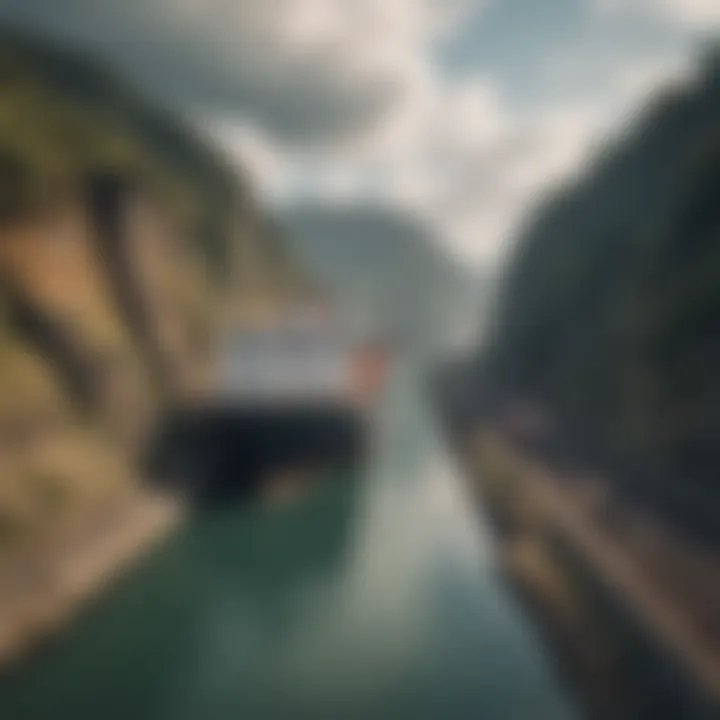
377	601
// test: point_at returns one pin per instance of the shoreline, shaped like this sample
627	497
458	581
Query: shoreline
623	604
42	594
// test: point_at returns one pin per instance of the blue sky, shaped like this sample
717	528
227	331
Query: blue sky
462	112
522	42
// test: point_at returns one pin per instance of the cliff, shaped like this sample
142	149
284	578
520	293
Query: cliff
127	244
588	423
608	320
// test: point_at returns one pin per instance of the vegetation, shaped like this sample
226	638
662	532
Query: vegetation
64	115
123	238
610	315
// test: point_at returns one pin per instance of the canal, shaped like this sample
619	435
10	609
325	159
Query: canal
375	600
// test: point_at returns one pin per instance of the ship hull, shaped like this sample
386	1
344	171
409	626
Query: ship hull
233	452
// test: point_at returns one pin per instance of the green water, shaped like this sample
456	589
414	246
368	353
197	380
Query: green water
375	599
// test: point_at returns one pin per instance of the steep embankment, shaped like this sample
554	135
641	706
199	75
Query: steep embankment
589	424
125	243
609	318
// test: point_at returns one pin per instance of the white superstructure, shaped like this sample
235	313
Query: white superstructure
288	364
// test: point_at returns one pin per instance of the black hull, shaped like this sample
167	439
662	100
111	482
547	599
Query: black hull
228	452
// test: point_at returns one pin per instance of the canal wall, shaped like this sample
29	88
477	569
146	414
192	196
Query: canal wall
42	588
631	645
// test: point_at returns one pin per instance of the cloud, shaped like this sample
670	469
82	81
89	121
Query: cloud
266	163
306	70
458	156
457	152
489	186
335	100
703	15
462	159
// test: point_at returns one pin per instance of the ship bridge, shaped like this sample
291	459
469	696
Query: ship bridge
289	364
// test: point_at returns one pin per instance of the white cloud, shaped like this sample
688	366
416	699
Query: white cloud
264	162
340	99
696	14
455	152
459	156
307	70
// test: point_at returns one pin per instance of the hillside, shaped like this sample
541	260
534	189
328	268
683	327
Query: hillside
126	242
64	114
610	314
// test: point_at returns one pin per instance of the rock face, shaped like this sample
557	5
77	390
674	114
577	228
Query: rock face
588	425
610	313
125	245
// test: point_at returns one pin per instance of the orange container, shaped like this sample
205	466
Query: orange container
370	368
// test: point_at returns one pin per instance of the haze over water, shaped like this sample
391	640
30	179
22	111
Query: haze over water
374	600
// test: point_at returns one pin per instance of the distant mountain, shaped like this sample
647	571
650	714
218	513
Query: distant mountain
388	269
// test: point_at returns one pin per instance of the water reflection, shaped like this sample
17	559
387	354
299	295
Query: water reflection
375	599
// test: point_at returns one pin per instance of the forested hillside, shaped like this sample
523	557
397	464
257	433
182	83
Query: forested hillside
125	242
610	316
64	114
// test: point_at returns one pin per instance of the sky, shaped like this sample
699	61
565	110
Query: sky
462	112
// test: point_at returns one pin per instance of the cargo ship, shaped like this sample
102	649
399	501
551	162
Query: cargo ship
294	401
